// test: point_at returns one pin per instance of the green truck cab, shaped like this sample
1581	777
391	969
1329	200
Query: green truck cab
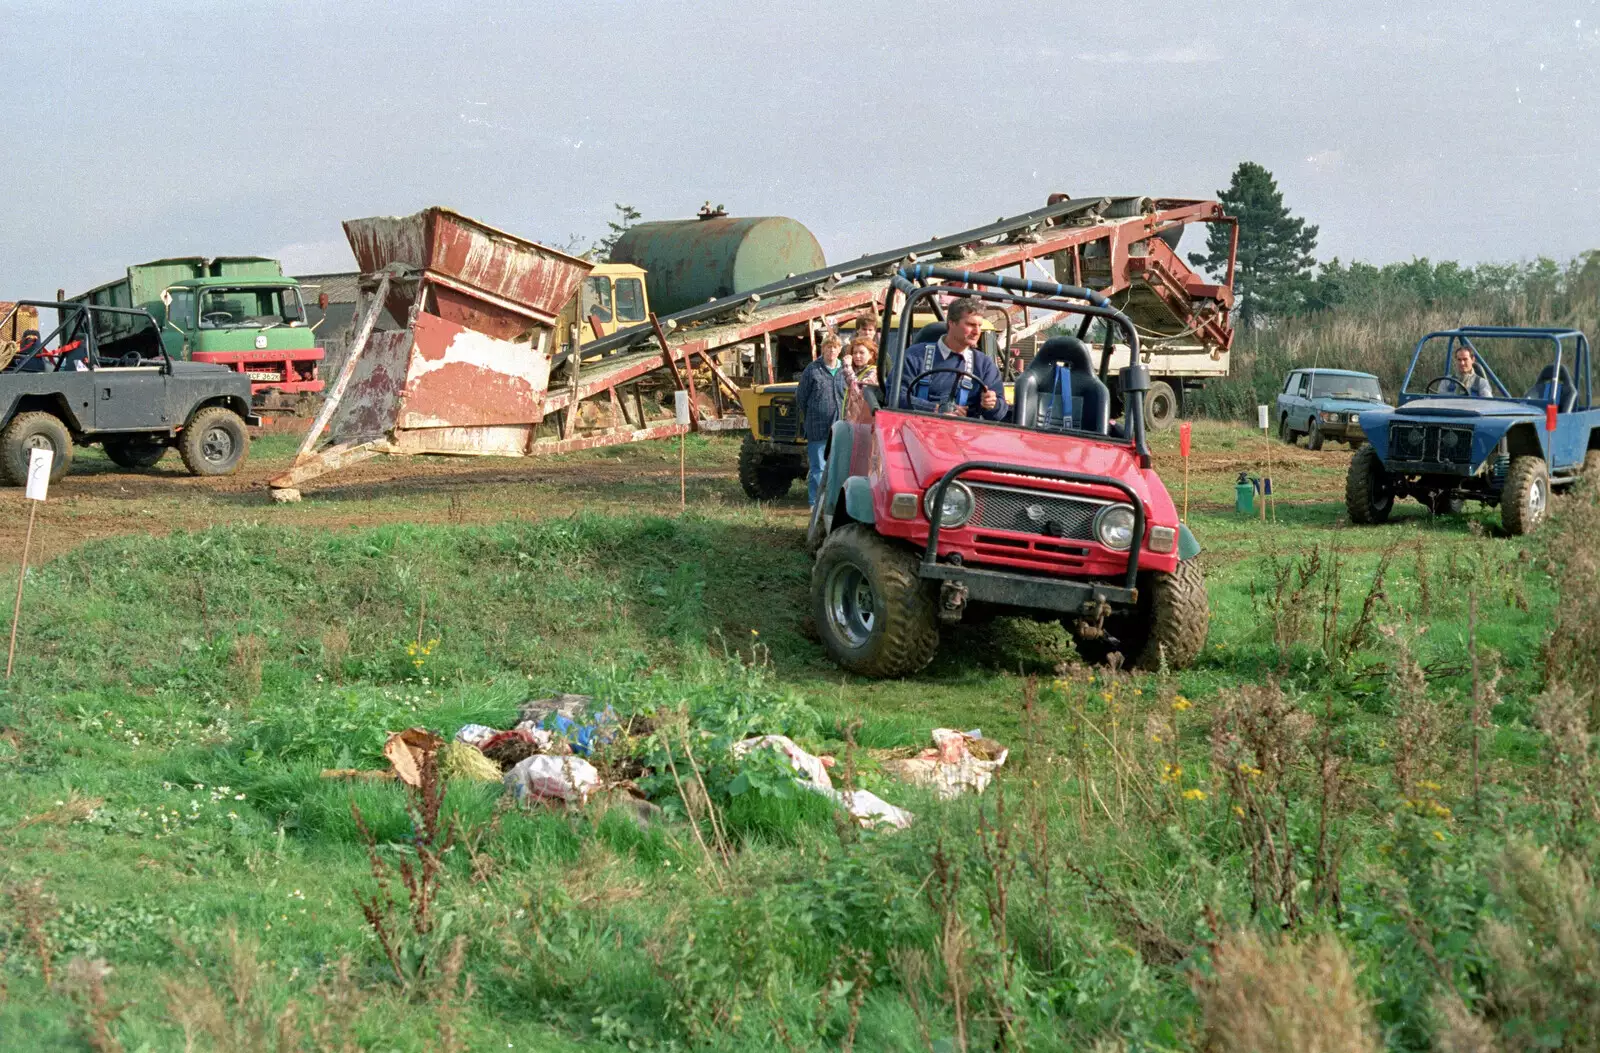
236	311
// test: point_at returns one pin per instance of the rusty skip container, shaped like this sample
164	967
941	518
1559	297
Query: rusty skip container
481	277
476	354
691	261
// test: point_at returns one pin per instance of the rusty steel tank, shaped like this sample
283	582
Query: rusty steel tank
690	261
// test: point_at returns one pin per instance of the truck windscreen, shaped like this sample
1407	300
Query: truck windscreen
251	308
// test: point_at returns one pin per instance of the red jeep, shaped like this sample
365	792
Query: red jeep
926	517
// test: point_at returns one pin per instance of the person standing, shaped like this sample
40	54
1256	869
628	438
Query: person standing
861	358
820	399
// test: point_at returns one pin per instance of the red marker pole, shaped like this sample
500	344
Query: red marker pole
1183	450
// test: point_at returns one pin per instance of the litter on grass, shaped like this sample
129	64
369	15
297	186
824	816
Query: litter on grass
868	809
572	720
547	777
959	761
458	760
408	750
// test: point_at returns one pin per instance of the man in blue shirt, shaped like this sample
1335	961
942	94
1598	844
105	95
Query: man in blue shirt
820	398
947	392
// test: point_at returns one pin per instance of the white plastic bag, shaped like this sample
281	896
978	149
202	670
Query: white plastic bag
542	776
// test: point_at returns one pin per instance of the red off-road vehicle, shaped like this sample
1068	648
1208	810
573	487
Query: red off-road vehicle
1055	512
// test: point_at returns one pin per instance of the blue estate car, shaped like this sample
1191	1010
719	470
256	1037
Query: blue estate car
1534	427
1326	404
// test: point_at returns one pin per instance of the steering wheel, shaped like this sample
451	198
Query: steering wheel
946	369
1428	388
218	317
131	358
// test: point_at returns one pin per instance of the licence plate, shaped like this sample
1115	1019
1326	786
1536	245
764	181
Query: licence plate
262	374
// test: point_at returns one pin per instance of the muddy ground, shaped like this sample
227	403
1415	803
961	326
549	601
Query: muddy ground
97	499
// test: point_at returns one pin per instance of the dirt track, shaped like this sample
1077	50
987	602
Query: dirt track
98	500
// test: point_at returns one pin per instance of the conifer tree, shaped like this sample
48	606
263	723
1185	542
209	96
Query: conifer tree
1275	247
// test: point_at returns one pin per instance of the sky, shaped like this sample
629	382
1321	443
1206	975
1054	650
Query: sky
1461	130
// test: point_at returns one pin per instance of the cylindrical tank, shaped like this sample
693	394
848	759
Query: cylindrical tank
691	261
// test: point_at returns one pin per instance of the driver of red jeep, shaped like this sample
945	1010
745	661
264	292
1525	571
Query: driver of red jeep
963	381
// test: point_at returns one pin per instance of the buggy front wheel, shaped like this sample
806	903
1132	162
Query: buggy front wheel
875	616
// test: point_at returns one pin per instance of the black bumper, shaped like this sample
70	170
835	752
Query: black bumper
1030	591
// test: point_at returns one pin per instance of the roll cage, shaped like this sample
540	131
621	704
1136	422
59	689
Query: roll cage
1463	337
1025	292
71	329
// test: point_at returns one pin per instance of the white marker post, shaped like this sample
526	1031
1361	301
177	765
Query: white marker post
39	462
680	405
1267	493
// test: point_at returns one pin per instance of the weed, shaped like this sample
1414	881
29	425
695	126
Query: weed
85	984
1544	990
249	651
410	943
32	909
1278	996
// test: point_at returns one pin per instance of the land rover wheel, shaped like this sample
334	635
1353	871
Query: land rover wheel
1287	434
1525	498
1368	498
1160	406
1177	619
1314	435
134	454
214	442
875	616
762	478
28	432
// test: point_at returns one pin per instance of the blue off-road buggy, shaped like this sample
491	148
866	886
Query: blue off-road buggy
1531	428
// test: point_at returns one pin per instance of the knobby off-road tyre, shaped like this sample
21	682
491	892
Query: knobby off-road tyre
1178	619
1367	499
1286	434
762	479
875	616
1314	436
1160	406
134	454
214	442
1525	497
27	431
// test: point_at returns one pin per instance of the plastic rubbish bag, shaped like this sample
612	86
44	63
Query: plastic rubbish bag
572	719
868	809
475	734
547	777
811	767
959	761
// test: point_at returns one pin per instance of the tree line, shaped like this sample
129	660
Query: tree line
1277	275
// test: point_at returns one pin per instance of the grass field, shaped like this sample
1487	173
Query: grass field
1366	818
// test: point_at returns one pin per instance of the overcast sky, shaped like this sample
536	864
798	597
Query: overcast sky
138	130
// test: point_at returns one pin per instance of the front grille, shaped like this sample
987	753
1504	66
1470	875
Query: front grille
1430	444
785	419
1034	512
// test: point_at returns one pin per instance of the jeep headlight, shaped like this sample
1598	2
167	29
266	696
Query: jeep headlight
956	508
1331	418
1113	525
